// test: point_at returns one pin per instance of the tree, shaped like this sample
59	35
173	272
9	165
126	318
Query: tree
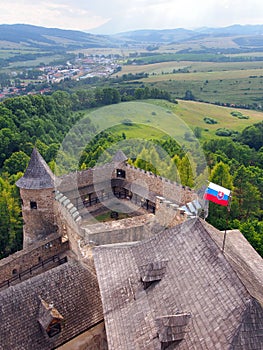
253	231
246	194
189	95
9	143
16	163
198	132
186	172
253	135
220	175
10	219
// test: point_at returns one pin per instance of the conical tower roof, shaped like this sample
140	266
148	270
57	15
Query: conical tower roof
37	175
119	157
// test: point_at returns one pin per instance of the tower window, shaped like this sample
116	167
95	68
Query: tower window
33	205
121	173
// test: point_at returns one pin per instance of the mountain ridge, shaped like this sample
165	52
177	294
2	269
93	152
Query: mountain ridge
62	39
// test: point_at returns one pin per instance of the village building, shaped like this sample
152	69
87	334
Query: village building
153	277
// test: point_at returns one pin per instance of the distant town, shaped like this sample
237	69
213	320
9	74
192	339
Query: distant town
40	79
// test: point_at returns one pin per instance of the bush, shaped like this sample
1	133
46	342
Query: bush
209	120
224	132
239	115
127	122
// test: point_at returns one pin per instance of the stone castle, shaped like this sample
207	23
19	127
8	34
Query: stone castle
152	277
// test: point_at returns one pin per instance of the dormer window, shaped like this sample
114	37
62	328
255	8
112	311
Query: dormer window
171	329
54	329
152	272
121	173
33	205
50	319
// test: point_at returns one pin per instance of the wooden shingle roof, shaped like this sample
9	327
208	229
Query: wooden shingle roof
70	288
119	157
37	175
198	281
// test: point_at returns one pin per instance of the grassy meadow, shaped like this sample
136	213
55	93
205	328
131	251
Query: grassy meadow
153	119
224	82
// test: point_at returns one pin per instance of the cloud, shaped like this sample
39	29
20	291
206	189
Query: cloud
66	15
119	15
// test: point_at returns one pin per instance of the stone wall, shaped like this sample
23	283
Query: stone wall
158	185
27	258
168	214
120	231
68	221
39	219
77	184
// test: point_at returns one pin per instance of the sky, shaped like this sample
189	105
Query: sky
115	16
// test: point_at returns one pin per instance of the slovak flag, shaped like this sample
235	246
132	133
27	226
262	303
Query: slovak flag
217	194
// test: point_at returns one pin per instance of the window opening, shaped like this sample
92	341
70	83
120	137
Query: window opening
121	173
33	205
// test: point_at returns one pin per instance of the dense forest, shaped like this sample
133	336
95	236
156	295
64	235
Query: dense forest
42	121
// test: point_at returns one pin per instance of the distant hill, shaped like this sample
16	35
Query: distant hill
157	36
51	39
242	35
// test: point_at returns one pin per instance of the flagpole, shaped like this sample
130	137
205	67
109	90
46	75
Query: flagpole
227	217
222	196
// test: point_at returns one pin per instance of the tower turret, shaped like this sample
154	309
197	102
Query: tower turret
37	194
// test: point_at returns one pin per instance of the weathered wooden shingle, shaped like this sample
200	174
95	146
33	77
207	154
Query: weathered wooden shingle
198	280
119	157
71	288
37	175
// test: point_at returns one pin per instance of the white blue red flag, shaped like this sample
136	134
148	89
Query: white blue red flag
217	194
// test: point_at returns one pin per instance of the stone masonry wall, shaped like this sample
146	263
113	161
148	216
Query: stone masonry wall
168	214
120	231
159	185
38	222
98	178
27	258
68	220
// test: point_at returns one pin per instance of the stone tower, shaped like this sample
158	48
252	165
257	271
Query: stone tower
37	194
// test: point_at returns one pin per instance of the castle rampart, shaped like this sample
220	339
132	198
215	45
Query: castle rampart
25	259
93	182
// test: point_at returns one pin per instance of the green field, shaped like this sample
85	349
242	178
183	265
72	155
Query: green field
239	83
155	118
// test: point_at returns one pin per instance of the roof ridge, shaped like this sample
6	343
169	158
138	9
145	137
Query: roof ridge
238	261
252	311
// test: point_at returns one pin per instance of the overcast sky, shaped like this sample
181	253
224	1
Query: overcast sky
113	16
